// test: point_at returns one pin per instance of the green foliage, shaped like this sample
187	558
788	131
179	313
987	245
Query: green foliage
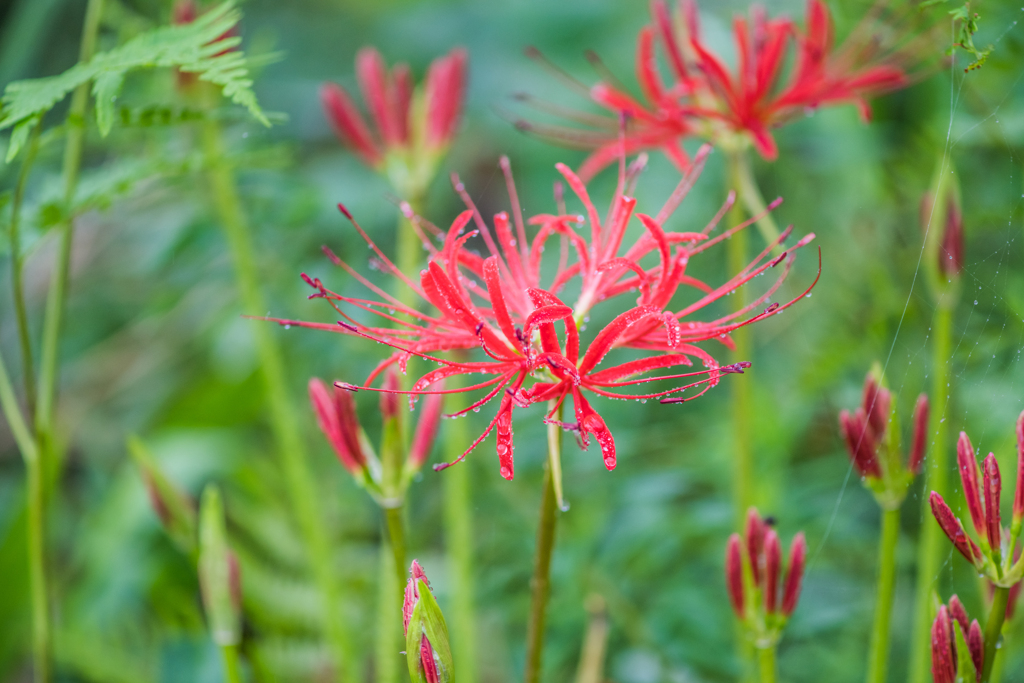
200	47
966	21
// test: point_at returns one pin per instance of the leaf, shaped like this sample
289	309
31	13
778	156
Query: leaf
199	47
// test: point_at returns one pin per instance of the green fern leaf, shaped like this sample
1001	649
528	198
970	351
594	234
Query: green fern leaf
198	47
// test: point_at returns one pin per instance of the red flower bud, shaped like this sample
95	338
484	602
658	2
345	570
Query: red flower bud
951	249
859	443
976	646
877	404
734	573
755	542
772	558
969	476
446	84
412	594
953	529
957	611
1018	498
426	428
349	123
795	575
917	444
336	416
993	488
378	93
943	659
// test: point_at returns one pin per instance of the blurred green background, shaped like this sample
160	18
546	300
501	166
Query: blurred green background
155	346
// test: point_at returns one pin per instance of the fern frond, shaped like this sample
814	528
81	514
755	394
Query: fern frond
199	47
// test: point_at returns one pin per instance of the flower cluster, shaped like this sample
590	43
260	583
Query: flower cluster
427	649
410	130
753	571
993	554
872	440
958	647
703	98
498	304
336	415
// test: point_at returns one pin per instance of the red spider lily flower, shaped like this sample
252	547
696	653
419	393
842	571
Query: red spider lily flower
703	98
430	660
874	448
498	304
389	97
753	567
945	662
996	553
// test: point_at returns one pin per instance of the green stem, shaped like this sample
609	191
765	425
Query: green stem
766	664
458	534
1000	664
994	629
17	286
740	390
73	144
878	659
750	196
41	465
294	462
740	396
396	539
932	546
232	669
388	620
540	584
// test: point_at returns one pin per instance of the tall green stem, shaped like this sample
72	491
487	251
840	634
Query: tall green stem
291	450
232	668
40	466
17	286
740	390
879	656
750	196
740	393
388	641
766	664
396	539
458	535
994	630
540	584
932	546
74	141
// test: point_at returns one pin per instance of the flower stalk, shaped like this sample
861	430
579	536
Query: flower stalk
878	658
291	451
994	629
540	583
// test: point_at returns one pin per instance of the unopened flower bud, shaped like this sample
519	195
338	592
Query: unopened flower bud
755	542
968	467
993	487
734	574
917	444
772	559
173	507
336	416
219	576
859	444
954	529
957	611
943	659
976	646
426	634
795	574
951	248
446	85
